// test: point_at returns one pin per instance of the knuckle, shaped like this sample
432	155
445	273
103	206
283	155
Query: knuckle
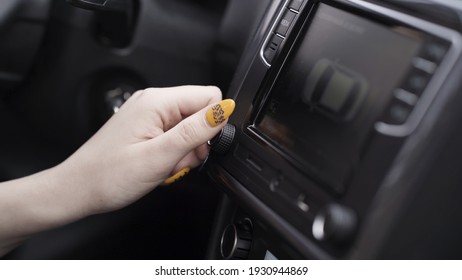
137	94
215	92
189	133
147	93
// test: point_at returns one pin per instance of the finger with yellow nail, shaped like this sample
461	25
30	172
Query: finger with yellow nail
220	112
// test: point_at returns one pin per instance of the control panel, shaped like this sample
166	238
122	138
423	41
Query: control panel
335	91
283	25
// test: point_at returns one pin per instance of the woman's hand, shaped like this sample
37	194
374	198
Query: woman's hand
156	136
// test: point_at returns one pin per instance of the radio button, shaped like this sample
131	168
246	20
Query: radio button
424	65
405	96
296	4
302	203
434	51
285	23
335	223
397	113
272	48
416	81
275	183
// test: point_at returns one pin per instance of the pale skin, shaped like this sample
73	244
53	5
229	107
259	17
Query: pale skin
155	134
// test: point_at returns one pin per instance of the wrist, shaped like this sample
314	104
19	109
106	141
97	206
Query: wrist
36	203
70	194
41	201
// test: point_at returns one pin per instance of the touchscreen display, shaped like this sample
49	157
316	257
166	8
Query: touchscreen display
334	85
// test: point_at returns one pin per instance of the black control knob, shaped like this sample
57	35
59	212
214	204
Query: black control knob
335	223
236	241
221	143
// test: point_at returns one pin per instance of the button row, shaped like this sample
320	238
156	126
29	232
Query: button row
282	29
406	97
275	181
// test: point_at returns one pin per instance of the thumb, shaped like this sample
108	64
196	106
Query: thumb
194	131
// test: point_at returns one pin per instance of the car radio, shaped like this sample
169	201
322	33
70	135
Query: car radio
331	94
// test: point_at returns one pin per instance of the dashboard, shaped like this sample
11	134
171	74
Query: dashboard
344	143
341	135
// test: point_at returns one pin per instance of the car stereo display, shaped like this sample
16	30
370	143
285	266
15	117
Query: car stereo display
334	85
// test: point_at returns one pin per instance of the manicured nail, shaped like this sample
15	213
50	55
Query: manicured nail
220	112
178	176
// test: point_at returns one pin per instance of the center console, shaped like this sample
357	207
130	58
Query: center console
328	99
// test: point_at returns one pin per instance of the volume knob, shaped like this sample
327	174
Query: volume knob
221	143
236	241
334	223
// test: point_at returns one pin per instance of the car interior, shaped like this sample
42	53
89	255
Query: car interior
344	144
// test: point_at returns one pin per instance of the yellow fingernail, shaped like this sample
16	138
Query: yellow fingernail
178	176
220	112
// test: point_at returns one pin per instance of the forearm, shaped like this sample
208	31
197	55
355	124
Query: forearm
36	203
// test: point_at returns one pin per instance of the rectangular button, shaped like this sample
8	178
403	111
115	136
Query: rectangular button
285	23
296	4
254	163
397	112
405	96
424	65
303	203
256	167
434	51
416	81
272	48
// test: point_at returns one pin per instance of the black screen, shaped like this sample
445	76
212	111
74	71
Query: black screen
333	87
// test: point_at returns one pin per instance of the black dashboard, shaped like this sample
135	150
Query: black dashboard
344	144
344	134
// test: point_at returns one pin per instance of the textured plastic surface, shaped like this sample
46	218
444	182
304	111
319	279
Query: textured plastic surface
224	140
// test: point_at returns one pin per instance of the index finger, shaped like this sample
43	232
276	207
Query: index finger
186	100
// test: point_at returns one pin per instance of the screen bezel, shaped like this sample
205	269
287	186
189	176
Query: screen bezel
294	39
